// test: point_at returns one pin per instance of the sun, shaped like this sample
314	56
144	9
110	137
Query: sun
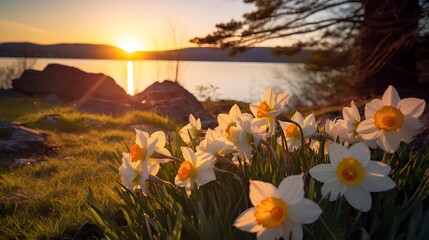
130	45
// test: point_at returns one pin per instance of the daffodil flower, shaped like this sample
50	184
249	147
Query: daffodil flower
195	170
133	174
193	128
144	146
139	164
351	173
391	120
248	131
226	121
154	162
270	106
292	132
350	123
215	143
278	212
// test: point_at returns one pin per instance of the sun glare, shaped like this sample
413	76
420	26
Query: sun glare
130	46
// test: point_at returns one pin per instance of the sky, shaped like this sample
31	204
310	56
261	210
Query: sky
143	24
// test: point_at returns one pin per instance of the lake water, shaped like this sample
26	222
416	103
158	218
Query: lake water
241	81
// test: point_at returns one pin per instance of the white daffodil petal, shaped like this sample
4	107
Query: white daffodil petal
305	211
372	107
254	108
268	234
282	99
291	189
189	155
377	168
204	161
160	135
367	130
332	189
247	222
293	228
153	169
355	112
308	130
259	190
141	138
269	97
337	152
178	182
235	111
358	198
323	173
412	123
164	152
223	120
391	97
377	183
310	120
297	117
360	151
409	128
389	141
348	114
214	146
413	107
204	176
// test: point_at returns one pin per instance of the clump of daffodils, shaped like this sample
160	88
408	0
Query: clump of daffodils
244	146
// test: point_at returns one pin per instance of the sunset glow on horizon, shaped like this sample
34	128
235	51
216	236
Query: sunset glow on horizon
150	25
130	45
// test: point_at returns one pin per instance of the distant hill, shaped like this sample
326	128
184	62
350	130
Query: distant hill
93	51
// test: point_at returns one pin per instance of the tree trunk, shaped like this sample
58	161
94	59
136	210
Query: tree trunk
386	53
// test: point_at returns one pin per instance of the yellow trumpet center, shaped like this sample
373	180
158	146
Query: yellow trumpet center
137	153
186	170
388	118
292	131
271	213
350	171
262	110
228	129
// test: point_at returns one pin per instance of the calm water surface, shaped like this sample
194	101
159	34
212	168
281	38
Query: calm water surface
233	80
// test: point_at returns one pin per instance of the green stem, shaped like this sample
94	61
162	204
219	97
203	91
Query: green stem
354	223
273	153
328	229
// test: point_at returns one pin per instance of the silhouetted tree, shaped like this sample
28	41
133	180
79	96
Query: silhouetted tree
377	37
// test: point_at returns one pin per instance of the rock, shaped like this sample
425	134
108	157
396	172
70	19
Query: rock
69	84
170	99
17	141
94	105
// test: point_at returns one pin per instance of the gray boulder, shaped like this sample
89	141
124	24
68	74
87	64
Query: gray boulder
17	141
69	84
170	99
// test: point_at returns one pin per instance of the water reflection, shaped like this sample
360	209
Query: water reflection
130	78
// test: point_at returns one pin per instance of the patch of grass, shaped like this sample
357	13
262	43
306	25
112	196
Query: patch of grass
223	106
47	199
